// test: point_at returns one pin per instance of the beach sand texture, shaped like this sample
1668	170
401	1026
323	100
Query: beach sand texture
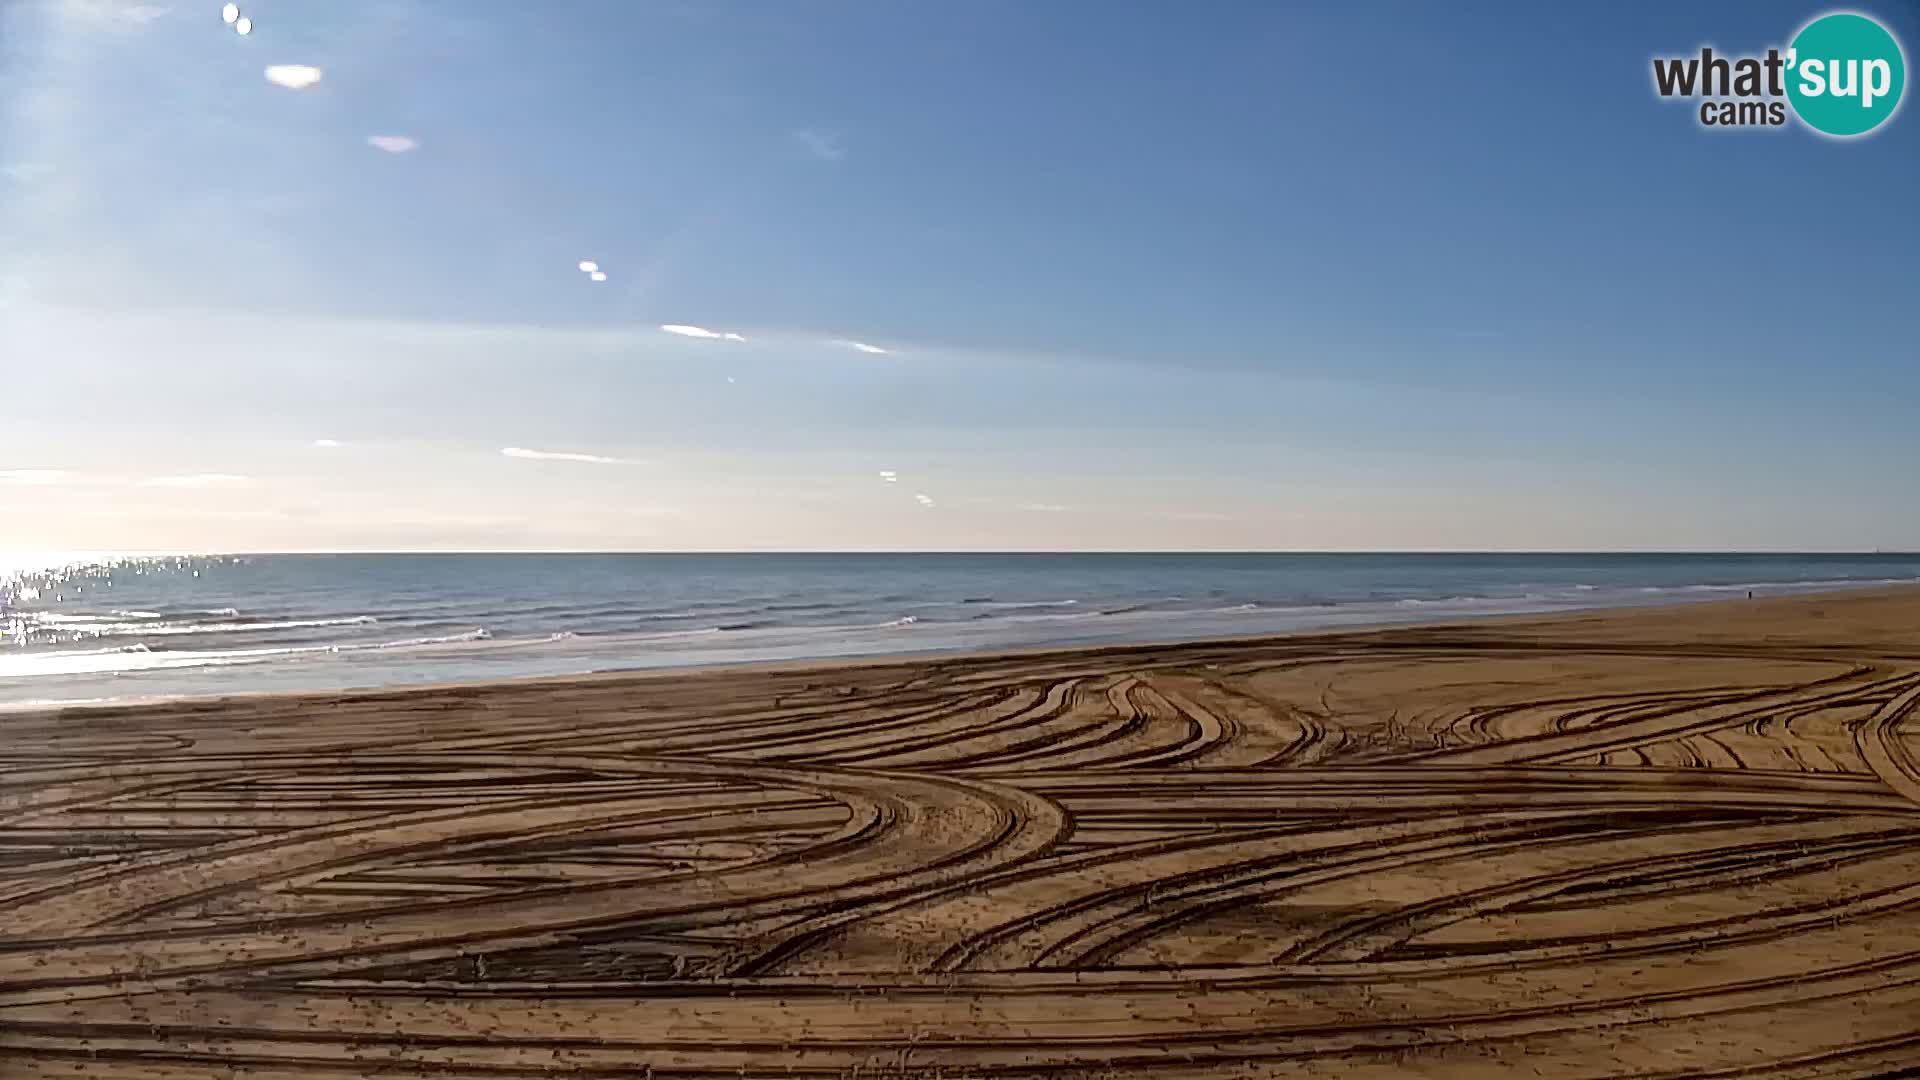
1664	843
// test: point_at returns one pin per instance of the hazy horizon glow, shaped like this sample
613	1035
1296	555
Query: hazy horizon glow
1155	292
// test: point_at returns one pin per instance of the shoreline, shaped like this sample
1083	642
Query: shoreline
221	626
825	666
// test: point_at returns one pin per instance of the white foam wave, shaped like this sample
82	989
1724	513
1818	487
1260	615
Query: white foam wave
1067	616
133	658
116	650
1807	585
241	628
1818	583
58	619
1020	605
1474	601
101	626
480	634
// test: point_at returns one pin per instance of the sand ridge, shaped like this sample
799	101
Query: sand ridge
1668	843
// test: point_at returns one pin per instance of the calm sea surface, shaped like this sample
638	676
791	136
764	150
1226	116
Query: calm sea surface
141	627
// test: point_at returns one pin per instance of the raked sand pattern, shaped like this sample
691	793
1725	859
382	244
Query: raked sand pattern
1675	843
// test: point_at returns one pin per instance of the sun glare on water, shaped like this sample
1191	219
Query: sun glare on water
37	577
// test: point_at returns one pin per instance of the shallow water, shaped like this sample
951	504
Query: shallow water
106	629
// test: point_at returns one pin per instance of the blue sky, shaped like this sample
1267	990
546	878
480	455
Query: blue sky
1127	276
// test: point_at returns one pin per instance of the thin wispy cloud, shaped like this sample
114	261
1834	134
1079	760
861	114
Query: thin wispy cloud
889	476
109	14
394	144
923	500
1046	508
821	144
860	346
474	334
35	477
563	455
293	76
198	480
700	332
328	444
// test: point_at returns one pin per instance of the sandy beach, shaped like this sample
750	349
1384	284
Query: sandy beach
1680	842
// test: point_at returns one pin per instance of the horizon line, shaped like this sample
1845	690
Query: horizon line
183	553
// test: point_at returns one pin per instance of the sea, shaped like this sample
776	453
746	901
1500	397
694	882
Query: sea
85	629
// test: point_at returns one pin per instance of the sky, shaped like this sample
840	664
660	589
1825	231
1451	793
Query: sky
968	275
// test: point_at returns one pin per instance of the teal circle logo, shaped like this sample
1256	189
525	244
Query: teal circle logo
1845	74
